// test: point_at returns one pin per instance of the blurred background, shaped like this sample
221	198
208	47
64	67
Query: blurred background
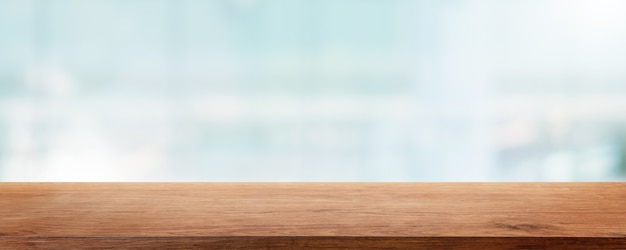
312	90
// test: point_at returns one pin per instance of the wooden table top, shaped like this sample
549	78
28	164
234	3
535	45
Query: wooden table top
313	215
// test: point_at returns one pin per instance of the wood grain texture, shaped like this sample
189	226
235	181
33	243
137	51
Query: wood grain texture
313	215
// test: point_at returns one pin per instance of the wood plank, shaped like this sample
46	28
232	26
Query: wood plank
314	215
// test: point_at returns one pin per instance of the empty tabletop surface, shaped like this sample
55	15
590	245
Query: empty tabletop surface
324	210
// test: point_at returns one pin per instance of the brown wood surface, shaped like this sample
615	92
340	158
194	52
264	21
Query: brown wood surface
313	215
